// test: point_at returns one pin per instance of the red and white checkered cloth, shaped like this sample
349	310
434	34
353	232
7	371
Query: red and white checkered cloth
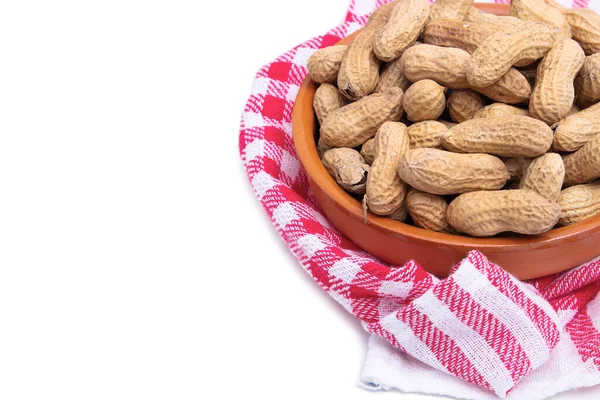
479	333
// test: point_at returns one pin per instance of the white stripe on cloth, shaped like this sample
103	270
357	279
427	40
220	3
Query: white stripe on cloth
485	360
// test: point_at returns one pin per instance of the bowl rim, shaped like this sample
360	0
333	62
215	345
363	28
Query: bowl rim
303	132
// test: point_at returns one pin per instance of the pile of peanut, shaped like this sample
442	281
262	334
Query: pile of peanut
522	153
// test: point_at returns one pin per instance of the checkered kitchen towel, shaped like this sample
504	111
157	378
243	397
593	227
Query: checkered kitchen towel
479	333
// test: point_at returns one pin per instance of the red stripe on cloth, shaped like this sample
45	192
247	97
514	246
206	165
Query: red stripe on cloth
586	337
448	353
581	3
497	335
503	282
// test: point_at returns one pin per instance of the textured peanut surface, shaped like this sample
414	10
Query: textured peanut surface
450	9
402	29
545	175
442	172
385	190
322	147
487	213
554	93
400	214
585	27
324	64
427	210
506	137
454	33
494	57
500	23
516	166
427	134
392	75
367	150
348	168
587	82
359	70
463	104
574	131
424	100
327	100
500	110
355	123
583	166
539	10
579	203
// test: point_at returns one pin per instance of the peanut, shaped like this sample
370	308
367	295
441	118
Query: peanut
545	175
553	94
579	203
587	82
499	52
441	172
500	110
516	166
359	71
368	151
402	29
400	214
506	137
348	168
450	9
452	33
324	64
385	190
500	23
539	10
426	134
322	147
327	99
355	123
428	211
487	213
463	104
585	27
447	124
424	100
583	166
448	67
574	131
392	74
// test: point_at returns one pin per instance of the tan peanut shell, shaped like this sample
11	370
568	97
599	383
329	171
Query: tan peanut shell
553	94
516	166
322	147
385	190
500	110
587	82
579	203
574	131
450	9
424	100
573	110
454	33
368	151
539	10
426	134
428	211
499	22
442	172
585	27
392	74
402	29
583	166
327	99
488	213
545	176
348	168
505	137
359	71
357	122
400	214
463	104
499	52
447	124
448	67
324	64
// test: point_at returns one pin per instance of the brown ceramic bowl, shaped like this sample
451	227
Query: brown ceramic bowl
396	243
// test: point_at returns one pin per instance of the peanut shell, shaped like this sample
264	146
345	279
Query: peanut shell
428	211
424	100
545	175
500	110
583	166
587	82
324	64
574	131
327	99
579	203
463	104
427	134
348	168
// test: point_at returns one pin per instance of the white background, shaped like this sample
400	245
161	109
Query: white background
135	261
